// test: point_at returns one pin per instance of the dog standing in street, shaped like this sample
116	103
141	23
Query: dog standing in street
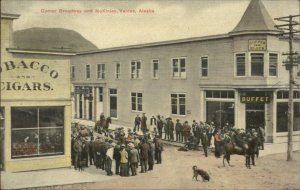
202	173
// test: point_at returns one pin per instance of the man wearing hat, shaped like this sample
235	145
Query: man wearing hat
123	161
159	125
134	159
144	123
117	158
137	122
178	128
144	151
109	158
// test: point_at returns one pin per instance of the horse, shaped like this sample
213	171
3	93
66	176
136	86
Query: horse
106	125
248	151
100	148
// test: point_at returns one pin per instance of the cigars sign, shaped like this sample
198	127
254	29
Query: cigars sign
31	76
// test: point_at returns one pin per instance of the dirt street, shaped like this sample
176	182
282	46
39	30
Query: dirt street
271	172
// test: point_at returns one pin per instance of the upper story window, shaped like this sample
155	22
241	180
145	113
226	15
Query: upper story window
73	72
155	72
178	105
285	94
240	60
204	66
273	62
87	71
257	64
136	69
118	70
178	65
136	101
101	71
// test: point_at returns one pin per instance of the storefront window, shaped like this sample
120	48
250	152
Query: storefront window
282	116
220	112
220	107
37	131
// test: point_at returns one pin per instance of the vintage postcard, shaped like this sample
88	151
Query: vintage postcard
150	94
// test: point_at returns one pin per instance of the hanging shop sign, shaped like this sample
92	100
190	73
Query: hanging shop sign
256	99
257	45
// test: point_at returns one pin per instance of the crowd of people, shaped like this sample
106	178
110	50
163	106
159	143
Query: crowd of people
130	151
199	133
142	147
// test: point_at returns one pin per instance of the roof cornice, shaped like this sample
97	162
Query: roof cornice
154	44
9	16
12	50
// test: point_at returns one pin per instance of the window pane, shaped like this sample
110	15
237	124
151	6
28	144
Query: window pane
273	60
240	64
140	107
216	94
182	109
282	116
24	117
51	141
24	143
174	109
51	117
209	94
257	64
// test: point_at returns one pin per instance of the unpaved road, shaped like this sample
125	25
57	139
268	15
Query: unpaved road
271	172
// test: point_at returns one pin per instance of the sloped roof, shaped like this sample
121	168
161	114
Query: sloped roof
51	39
255	18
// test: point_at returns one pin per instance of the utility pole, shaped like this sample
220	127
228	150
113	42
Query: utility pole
290	63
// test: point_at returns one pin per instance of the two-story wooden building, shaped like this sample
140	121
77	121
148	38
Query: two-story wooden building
236	77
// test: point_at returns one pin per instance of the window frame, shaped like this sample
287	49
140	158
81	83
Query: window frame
201	66
276	66
153	71
100	71
135	96
39	128
136	73
88	72
236	66
263	66
179	68
178	109
118	70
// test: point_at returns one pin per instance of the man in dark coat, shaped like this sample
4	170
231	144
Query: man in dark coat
137	122
117	158
144	123
133	159
78	151
178	128
144	151
158	149
159	125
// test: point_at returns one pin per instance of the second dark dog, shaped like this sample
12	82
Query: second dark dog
202	173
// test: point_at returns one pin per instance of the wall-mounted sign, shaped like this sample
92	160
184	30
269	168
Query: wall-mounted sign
257	45
256	99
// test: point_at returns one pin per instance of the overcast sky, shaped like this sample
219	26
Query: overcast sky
172	19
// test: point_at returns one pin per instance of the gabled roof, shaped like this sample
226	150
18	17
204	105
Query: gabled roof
255	19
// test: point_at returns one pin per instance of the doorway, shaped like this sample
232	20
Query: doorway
113	103
255	115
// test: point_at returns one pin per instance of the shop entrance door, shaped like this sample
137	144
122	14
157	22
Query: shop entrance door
2	135
255	115
113	106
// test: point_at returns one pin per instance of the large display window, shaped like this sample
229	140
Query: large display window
282	111
37	131
220	107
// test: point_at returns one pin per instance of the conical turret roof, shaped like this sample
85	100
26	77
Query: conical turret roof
255	19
